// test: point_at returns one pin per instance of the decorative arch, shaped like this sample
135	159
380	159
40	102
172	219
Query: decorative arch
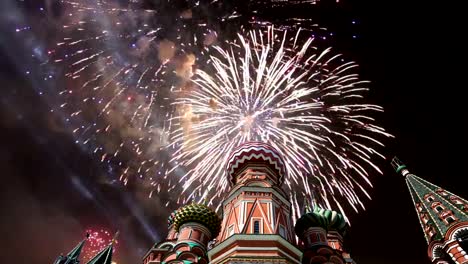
188	256
455	229
182	247
166	245
461	233
437	252
257	184
199	251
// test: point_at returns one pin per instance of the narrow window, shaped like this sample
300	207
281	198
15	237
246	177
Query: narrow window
450	220
256	227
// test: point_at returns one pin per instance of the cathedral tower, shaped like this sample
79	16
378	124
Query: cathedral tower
73	256
443	217
104	256
190	229
257	225
322	233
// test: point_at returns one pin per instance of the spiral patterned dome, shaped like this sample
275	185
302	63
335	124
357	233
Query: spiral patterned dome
324	218
198	213
255	153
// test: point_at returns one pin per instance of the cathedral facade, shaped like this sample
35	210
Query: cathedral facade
256	224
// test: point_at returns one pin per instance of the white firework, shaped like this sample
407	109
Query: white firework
304	102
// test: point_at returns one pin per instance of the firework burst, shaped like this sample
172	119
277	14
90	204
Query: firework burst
121	64
133	101
97	241
125	64
306	103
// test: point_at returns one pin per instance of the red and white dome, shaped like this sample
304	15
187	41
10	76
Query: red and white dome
254	154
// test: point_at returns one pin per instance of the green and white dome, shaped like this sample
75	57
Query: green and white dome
324	218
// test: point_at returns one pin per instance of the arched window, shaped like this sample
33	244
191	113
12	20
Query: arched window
450	220
456	200
442	192
429	197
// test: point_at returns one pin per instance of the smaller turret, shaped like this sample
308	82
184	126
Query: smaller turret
73	256
199	214
443	217
257	224
105	255
190	229
321	231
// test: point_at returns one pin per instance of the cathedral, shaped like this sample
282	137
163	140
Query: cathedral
256	224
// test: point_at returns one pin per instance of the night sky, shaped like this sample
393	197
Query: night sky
51	190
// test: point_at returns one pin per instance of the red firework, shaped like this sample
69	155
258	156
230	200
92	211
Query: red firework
97	241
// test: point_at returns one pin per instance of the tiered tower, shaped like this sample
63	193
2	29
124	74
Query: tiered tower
443	217
103	257
73	256
321	232
190	229
257	227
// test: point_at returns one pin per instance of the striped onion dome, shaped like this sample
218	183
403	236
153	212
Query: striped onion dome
324	218
255	153
198	213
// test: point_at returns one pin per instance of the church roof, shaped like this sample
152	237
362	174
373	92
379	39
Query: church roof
75	253
437	209
73	256
255	153
103	257
199	213
319	217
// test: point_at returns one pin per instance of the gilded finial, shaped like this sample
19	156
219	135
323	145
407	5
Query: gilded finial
115	237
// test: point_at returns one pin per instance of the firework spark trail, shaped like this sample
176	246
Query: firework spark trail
104	56
124	67
301	101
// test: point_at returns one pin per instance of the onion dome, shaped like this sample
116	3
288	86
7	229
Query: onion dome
198	213
170	219
255	154
324	218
